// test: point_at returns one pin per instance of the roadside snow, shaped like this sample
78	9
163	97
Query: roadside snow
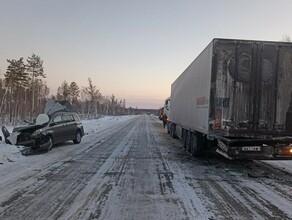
91	126
285	165
11	153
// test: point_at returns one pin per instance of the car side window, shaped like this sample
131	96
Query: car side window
57	119
66	118
76	117
72	118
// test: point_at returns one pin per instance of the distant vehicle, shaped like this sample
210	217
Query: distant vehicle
160	113
166	106
236	98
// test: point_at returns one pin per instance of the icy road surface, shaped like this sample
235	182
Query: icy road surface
131	169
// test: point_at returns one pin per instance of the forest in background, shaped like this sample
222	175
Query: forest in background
24	94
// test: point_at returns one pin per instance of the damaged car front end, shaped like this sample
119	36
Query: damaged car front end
30	135
57	125
41	141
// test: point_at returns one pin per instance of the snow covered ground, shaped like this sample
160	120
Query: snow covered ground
285	165
10	154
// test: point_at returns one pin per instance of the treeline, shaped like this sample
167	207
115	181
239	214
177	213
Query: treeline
89	100
24	93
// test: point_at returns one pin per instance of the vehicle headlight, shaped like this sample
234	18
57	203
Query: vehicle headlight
37	132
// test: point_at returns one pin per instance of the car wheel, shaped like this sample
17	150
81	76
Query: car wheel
78	136
50	143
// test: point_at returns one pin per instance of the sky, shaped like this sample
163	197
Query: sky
134	49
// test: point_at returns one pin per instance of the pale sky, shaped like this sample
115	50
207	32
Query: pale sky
134	49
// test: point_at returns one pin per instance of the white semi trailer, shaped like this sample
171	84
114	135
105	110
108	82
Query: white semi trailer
236	98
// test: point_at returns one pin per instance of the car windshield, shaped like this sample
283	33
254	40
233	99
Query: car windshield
42	119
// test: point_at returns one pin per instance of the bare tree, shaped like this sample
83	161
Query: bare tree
286	38
94	97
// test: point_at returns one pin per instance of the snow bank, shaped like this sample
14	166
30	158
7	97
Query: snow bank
91	126
285	165
9	153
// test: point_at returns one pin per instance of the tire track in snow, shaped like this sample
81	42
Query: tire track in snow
134	171
94	197
138	193
10	183
223	189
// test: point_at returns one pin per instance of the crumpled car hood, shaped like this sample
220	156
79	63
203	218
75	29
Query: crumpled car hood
28	128
53	106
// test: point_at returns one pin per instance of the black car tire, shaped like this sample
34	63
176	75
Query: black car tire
52	143
78	137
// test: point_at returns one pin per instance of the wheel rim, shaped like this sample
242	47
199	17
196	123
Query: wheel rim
78	137
51	144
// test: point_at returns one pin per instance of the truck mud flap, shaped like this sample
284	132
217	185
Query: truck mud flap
224	154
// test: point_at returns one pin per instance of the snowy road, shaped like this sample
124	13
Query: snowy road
133	170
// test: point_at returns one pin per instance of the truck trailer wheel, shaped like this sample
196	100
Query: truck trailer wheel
172	130
189	141
196	146
184	138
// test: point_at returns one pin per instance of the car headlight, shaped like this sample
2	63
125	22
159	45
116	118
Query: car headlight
37	132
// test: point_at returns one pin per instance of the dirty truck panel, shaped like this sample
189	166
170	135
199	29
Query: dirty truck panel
252	86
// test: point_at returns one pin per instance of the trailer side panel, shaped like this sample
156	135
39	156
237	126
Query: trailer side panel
190	94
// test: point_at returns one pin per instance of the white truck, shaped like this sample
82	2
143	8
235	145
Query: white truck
236	98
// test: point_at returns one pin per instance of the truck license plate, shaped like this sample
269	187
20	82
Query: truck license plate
252	148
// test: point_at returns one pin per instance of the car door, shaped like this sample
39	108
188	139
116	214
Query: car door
69	126
57	128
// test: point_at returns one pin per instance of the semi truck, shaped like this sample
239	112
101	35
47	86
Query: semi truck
235	98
